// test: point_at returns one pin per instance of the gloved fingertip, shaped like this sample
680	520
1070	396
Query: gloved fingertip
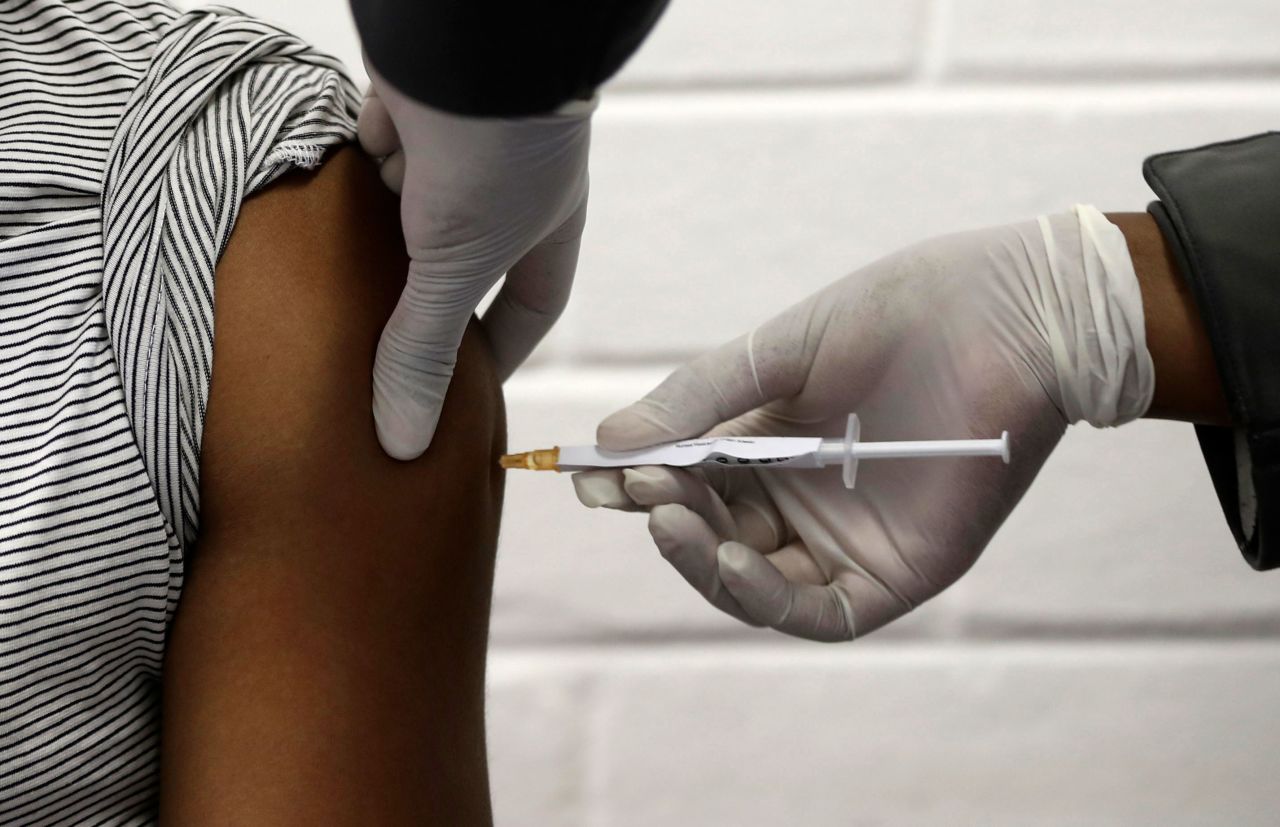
397	447
599	491
614	433
754	582
375	130
391	170
404	430
689	545
649	485
660	520
399	442
633	479
671	520
629	429
735	557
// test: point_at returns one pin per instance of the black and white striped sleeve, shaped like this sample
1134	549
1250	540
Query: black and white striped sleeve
130	133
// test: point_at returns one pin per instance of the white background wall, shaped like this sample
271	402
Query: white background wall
1110	660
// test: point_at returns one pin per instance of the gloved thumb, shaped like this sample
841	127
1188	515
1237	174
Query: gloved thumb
737	377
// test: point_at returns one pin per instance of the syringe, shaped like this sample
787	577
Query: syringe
758	453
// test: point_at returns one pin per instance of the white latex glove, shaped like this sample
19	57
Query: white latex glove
479	197
1025	328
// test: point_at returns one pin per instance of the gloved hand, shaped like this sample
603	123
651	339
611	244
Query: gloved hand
1025	328
480	197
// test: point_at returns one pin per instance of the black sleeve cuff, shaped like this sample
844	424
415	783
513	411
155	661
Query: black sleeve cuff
490	58
1219	209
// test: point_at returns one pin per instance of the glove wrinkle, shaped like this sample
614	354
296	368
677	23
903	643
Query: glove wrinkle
748	514
479	196
844	609
689	545
1093	309
751	360
1020	328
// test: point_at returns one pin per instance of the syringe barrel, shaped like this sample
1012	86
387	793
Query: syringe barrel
833	451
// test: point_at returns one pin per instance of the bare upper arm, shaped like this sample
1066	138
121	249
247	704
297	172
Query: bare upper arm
326	662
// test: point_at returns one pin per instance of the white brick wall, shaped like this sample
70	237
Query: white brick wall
1045	733
1104	38
759	42
740	203
1110	660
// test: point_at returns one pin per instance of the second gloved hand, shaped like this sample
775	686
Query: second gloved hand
1024	328
480	197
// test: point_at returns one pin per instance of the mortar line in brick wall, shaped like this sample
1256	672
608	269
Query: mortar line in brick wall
692	105
583	694
928	72
1113	73
957	630
592	663
594	752
870	79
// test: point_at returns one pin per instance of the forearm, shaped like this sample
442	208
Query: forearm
1187	385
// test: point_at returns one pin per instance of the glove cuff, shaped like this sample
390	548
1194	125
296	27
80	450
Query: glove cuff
1094	319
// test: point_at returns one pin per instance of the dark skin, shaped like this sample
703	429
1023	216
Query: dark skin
326	664
1187	386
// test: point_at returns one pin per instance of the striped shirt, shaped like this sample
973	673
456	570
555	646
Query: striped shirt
129	135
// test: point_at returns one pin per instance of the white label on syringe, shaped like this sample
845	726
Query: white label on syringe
795	452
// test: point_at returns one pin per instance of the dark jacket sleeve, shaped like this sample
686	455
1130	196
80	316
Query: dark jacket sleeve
498	57
1219	209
